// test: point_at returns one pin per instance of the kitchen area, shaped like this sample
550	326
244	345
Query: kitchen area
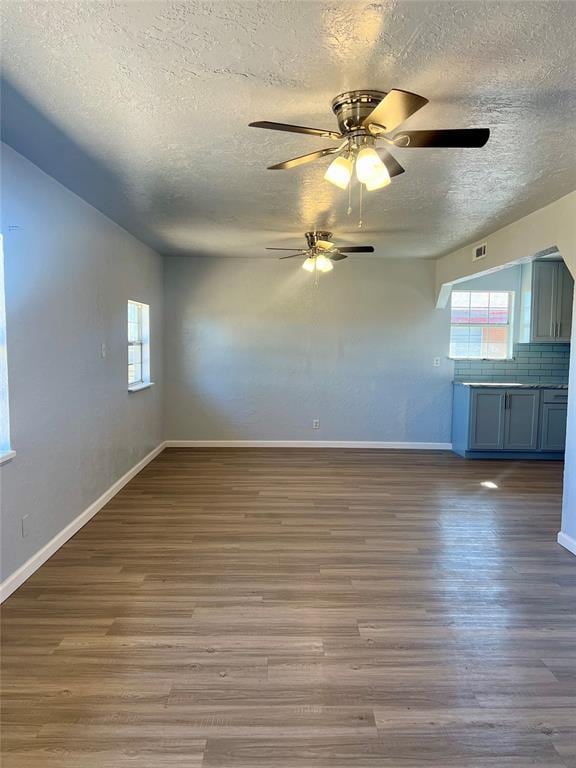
510	342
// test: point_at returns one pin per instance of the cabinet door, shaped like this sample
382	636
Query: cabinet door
553	429
544	284
565	293
521	408
487	419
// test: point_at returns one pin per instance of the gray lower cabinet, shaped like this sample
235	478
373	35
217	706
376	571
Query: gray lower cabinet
516	421
553	427
504	419
487	419
521	410
553	422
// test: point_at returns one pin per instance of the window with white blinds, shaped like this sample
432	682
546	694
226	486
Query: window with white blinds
481	324
138	344
5	450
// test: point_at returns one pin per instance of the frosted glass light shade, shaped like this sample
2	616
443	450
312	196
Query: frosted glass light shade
339	172
381	178
324	264
309	264
369	167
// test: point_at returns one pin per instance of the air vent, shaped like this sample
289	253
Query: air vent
479	252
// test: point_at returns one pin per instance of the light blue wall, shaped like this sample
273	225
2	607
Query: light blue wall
254	350
75	428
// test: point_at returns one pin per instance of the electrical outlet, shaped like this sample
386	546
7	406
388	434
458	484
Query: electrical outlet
25	526
436	362
315	423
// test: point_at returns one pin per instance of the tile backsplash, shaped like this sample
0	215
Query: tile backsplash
531	363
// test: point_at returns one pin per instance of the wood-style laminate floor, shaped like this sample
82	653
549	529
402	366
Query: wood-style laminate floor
302	609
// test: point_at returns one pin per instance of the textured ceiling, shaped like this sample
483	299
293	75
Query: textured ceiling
143	108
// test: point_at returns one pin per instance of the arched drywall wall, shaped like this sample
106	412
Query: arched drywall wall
552	228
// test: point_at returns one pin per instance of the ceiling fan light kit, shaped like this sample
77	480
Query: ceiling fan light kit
318	263
366	117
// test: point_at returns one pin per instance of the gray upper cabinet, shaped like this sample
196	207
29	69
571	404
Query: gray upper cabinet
521	410
566	301
552	297
487	419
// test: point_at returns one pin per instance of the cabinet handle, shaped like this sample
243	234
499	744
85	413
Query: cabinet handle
506	401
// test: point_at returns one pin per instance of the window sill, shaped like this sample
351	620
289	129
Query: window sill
483	359
7	456
142	385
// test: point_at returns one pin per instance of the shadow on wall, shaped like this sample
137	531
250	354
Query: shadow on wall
27	130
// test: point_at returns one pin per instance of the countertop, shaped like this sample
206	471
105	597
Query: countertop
507	384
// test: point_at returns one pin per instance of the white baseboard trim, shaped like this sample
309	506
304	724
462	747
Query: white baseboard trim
16	579
567	542
306	444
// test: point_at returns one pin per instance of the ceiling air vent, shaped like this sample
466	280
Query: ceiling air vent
479	252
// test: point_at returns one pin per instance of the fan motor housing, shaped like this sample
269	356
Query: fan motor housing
313	237
353	107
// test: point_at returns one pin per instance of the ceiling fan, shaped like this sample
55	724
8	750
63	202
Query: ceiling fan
321	252
365	117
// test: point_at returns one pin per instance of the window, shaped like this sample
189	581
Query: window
5	451
138	345
481	324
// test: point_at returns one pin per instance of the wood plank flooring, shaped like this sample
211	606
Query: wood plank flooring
249	608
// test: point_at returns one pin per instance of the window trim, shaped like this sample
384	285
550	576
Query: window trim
144	342
6	451
6	456
140	385
509	325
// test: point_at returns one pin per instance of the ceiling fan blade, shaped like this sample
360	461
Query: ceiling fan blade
337	256
302	159
295	129
394	167
357	249
394	108
283	249
292	255
465	137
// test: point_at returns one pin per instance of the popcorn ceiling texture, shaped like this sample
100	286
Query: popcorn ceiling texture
143	108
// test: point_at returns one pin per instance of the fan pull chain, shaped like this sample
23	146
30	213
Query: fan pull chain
360	222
